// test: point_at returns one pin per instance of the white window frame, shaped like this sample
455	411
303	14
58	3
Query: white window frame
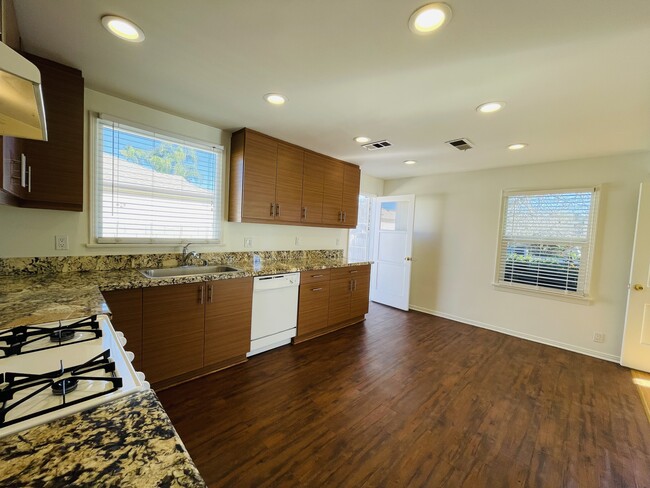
585	270
95	240
372	197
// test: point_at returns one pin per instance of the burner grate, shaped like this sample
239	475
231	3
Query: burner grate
60	380
15	341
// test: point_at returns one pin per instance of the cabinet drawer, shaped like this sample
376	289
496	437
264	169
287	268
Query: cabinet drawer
349	271
314	276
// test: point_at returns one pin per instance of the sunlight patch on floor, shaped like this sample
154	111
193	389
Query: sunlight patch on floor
642	382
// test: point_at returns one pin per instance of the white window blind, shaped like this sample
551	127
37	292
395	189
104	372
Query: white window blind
547	240
151	187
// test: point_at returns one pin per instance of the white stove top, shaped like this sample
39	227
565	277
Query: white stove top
49	379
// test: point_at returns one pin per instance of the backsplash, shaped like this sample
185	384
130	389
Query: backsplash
70	264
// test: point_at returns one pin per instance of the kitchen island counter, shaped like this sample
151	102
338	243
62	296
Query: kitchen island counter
127	442
27	299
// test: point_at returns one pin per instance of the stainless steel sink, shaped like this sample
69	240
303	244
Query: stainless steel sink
186	271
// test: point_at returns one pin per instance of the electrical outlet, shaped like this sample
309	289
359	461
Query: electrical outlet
599	337
61	243
297	241
248	242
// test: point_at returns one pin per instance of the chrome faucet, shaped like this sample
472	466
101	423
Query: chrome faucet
188	254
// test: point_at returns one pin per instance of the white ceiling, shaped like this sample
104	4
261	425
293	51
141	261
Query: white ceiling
575	74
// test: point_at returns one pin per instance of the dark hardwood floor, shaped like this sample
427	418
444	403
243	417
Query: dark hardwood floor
411	400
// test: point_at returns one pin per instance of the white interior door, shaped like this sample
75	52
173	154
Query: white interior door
393	240
635	352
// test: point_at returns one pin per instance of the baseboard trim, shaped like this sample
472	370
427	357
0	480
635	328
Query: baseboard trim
521	335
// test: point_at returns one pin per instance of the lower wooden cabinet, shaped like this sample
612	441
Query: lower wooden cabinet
178	332
228	309
126	307
336	298
172	330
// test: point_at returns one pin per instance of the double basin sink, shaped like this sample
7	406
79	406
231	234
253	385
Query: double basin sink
180	271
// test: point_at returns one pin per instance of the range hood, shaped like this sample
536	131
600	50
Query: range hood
22	112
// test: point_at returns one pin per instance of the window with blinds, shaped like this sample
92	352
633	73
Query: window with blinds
547	240
155	188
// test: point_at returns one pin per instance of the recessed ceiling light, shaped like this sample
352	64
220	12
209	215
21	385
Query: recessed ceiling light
362	139
517	146
429	18
275	98
123	28
410	161
490	107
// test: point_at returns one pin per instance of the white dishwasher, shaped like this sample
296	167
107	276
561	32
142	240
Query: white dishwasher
275	311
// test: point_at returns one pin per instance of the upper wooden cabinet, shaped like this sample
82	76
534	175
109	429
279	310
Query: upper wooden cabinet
272	181
49	174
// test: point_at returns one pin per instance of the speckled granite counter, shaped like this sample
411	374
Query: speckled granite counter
128	443
39	298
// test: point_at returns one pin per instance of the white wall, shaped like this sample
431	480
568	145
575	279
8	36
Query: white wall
30	232
455	241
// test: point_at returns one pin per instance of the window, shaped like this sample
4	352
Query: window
546	240
155	188
359	238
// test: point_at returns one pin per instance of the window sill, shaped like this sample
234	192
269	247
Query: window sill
144	245
582	300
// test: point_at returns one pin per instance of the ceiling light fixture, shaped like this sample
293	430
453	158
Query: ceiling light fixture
275	98
122	28
517	146
362	139
490	107
409	162
429	18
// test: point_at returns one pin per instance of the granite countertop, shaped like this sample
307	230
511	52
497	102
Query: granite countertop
127	442
40	298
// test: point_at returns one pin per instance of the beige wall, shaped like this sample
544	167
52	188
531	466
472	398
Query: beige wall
30	232
455	240
371	185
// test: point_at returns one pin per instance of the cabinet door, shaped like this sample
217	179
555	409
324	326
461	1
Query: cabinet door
12	151
351	182
228	319
126	309
56	165
312	188
360	293
260	156
313	306
288	188
339	302
173	330
333	192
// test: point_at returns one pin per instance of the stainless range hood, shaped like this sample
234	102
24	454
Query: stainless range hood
22	112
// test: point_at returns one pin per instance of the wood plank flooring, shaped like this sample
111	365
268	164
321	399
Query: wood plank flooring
411	400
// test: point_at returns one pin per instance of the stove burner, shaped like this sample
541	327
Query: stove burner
62	335
69	384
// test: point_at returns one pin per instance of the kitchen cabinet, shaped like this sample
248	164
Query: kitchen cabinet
172	330
313	301
349	288
228	320
272	181
49	174
126	310
332	299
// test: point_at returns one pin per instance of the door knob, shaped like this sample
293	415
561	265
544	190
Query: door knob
638	287
408	258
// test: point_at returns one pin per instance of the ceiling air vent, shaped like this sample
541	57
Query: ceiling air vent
461	144
373	146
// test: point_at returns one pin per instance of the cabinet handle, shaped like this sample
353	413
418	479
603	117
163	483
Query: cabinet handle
354	285
201	294
29	179
23	170
304	213
272	212
340	215
316	276
210	294
277	209
350	285
316	289
354	271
